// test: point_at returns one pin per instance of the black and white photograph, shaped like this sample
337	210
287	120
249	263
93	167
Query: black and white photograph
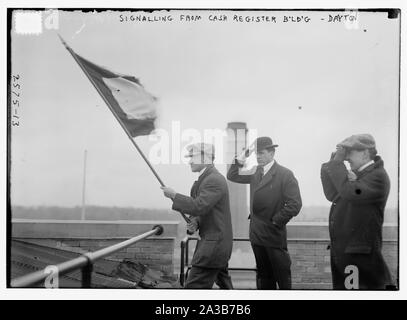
240	149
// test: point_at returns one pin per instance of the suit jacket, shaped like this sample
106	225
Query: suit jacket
209	202
356	215
274	200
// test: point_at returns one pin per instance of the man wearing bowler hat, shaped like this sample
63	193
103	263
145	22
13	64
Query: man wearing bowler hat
209	210
274	199
358	199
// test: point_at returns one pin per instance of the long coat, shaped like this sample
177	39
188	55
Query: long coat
274	200
356	215
209	202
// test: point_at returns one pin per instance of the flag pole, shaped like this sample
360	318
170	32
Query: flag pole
117	117
111	109
84	187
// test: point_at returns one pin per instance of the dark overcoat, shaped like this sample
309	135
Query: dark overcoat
209	202
356	215
274	200
356	220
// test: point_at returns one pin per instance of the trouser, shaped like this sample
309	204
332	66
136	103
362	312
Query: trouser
273	268
360	271
204	278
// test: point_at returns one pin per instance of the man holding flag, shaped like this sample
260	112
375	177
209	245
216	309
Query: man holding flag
134	109
132	106
210	210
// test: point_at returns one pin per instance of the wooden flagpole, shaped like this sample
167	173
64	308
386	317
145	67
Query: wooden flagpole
117	117
84	187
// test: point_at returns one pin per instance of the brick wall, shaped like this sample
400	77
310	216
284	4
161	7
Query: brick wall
154	253
310	258
310	269
84	236
311	262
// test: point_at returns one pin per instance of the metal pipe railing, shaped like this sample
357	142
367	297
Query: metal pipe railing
185	257
84	262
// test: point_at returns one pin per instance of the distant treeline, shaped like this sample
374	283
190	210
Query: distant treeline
92	213
307	214
321	214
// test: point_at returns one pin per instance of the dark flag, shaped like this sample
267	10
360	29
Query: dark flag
127	98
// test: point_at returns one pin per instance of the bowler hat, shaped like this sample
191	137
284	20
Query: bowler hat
264	143
358	142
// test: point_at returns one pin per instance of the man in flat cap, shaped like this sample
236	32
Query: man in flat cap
358	200
274	199
209	210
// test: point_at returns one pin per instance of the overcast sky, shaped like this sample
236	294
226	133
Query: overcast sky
306	85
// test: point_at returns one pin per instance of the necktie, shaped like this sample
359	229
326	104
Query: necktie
261	173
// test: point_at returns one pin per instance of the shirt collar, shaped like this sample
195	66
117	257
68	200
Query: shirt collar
267	167
366	165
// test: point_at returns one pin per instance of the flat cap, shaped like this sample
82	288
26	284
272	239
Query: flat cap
358	142
200	148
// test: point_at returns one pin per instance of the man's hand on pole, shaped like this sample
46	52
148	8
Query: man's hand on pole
168	192
192	226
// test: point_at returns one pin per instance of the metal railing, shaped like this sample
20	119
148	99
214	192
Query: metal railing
84	262
185	256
